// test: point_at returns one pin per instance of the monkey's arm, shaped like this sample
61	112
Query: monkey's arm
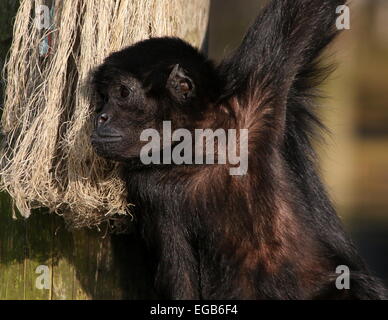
177	275
279	49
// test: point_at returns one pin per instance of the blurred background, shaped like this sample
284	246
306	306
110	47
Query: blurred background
354	155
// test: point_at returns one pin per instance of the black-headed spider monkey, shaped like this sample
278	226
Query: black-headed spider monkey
269	234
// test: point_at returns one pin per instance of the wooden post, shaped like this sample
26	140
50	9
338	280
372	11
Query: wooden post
81	265
40	259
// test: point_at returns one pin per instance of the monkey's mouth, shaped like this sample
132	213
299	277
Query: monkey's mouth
96	138
109	139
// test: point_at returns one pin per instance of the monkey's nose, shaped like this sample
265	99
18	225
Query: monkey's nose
102	119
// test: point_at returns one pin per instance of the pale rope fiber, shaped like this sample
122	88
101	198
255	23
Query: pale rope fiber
47	159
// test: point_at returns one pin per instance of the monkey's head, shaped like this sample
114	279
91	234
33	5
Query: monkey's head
161	79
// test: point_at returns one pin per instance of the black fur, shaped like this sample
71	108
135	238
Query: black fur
272	234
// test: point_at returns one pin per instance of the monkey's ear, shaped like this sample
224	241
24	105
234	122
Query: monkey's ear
180	85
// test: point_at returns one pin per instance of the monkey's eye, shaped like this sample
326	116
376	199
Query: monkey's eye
185	86
124	92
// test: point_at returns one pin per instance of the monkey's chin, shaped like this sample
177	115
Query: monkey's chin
109	151
106	149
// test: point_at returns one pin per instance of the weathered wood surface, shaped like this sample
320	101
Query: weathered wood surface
82	265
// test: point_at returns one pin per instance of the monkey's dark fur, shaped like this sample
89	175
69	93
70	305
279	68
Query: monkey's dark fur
272	234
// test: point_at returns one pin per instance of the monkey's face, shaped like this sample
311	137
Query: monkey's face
123	111
140	87
126	107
